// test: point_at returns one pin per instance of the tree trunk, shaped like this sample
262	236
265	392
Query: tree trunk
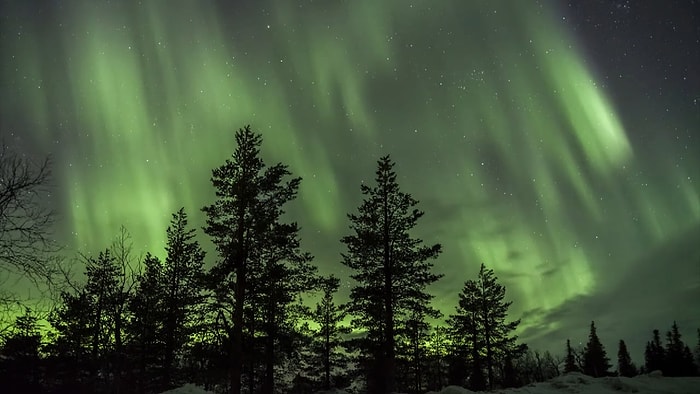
118	368
489	356
389	357
327	355
168	359
171	316
237	348
250	350
269	382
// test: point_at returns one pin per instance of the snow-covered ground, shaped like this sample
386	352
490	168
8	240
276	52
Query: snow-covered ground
187	389
569	383
582	384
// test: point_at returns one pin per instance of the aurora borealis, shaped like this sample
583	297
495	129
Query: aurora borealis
555	142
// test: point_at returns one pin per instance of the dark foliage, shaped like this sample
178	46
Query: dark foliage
480	330
625	366
595	360
261	269
327	358
678	360
391	270
654	354
20	361
243	326
570	361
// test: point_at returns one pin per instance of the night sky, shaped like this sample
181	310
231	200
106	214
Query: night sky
556	142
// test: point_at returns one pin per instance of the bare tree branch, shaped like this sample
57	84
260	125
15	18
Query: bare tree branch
27	247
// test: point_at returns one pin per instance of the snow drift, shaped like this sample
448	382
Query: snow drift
574	382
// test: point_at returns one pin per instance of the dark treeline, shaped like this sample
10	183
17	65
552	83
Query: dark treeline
243	324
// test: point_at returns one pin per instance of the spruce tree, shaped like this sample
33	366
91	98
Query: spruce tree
625	366
182	276
595	361
391	269
69	341
329	336
480	324
91	322
673	365
654	354
689	366
244	224
413	334
286	274
678	357
146	325
103	277
437	352
570	362
20	361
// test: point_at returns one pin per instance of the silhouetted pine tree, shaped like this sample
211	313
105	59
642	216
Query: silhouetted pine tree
689	366
69	362
286	274
244	225
674	352
327	359
510	374
391	268
90	325
570	361
412	338
437	355
480	324
103	288
595	361
678	357
146	326
654	354
20	361
625	366
182	276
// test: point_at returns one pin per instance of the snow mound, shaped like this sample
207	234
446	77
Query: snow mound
452	390
189	388
577	383
573	383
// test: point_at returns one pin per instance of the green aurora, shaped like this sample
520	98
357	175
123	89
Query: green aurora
499	121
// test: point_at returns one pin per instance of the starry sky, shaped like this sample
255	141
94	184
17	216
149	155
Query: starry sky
557	142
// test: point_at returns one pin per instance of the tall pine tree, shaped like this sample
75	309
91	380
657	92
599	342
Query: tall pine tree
595	361
625	366
90	323
182	276
329	336
146	326
20	360
654	354
481	322
413	335
391	268
570	361
244	224
678	357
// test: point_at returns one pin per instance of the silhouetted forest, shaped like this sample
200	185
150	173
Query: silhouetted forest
239	324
